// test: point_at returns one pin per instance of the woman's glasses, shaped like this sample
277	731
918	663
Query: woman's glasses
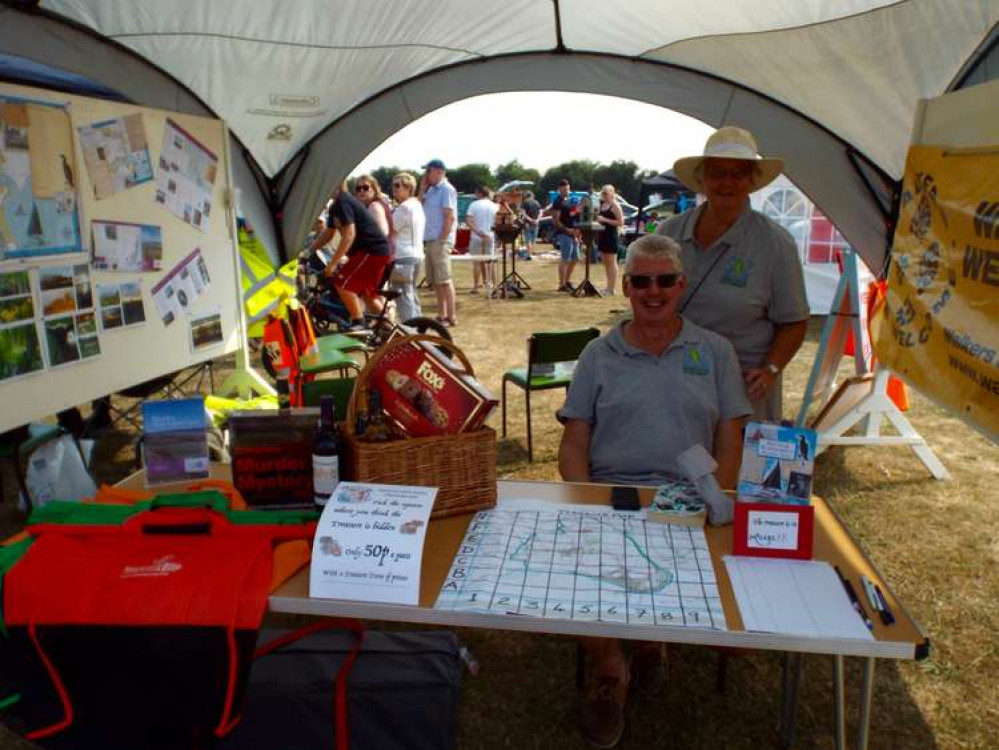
362	188
663	280
398	184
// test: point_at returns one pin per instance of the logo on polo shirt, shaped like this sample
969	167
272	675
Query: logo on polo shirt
696	360
737	271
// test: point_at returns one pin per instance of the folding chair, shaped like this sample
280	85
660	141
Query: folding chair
546	348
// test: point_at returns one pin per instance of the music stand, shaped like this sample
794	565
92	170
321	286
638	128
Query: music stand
586	288
512	282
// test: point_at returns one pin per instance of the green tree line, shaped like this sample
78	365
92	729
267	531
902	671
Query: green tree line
582	174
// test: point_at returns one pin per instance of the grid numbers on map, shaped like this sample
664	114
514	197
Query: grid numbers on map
569	565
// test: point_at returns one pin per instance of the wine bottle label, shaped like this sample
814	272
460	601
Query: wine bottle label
325	477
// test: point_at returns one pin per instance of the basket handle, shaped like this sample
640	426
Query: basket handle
361	384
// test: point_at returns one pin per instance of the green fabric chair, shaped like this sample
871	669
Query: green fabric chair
546	348
328	356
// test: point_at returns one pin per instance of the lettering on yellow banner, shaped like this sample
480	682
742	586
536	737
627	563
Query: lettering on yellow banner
939	326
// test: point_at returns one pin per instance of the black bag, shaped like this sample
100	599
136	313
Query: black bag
402	692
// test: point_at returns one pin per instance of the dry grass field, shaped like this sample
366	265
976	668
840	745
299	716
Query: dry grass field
934	541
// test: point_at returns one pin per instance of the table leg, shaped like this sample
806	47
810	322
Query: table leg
840	710
794	665
866	698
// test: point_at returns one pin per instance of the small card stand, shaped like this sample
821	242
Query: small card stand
774	530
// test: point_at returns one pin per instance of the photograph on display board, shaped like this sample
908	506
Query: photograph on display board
38	199
120	305
185	177
20	347
116	154
122	246
206	330
70	324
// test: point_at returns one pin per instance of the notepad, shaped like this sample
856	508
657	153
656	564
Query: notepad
793	597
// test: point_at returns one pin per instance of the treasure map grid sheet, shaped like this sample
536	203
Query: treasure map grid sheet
568	565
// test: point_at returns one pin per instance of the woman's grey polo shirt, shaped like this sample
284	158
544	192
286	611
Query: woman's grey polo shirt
645	410
754	280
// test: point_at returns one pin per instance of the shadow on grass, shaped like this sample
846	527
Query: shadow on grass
524	697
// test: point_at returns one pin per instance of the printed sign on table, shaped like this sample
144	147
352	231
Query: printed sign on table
369	544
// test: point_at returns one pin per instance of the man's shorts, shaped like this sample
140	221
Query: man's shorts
481	245
530	234
568	246
362	274
437	263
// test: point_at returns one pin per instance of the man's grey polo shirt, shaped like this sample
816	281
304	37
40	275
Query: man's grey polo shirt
435	200
646	410
756	282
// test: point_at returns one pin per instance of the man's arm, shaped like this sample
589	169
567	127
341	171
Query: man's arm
574	451
347	234
325	236
788	338
446	227
728	451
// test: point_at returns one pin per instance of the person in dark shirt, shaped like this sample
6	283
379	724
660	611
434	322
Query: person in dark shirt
366	248
566	235
530	213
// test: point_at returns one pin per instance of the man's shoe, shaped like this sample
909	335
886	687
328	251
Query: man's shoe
602	712
354	327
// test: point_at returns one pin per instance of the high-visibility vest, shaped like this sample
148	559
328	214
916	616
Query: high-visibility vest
265	290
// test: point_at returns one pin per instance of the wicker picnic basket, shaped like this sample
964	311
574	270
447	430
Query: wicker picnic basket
462	466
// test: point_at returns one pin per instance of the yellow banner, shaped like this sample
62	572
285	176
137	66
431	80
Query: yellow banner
939	328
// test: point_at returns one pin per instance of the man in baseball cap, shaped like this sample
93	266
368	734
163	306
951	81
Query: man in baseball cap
440	205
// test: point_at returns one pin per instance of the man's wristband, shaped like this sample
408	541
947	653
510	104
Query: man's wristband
772	369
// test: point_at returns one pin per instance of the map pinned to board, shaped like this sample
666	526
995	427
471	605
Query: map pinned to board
584	566
38	198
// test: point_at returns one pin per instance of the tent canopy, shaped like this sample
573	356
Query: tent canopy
309	88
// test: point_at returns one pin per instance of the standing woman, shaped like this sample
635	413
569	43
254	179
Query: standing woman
744	276
610	217
369	192
409	223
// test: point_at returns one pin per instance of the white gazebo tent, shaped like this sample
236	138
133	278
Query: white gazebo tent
309	88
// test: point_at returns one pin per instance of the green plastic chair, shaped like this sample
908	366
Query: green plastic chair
546	348
327	357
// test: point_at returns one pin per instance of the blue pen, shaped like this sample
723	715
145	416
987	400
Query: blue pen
852	594
886	614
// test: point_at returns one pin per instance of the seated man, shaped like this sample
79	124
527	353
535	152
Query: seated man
641	395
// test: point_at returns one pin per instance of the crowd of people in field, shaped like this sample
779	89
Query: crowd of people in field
414	228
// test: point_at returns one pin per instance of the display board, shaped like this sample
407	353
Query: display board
117	251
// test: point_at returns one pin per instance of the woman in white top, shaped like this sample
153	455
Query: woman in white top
408	221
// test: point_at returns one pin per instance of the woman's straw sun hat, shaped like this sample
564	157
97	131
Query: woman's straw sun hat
728	142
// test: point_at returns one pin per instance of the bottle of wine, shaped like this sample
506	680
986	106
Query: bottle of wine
377	429
325	453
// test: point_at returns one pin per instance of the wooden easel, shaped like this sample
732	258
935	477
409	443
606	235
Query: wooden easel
864	397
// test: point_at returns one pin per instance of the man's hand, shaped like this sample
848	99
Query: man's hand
329	270
759	381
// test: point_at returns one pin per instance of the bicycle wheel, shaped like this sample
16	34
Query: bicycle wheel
429	325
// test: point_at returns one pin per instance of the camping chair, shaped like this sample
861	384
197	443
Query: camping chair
546	348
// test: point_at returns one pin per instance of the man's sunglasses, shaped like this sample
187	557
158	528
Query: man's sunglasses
362	188
663	280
